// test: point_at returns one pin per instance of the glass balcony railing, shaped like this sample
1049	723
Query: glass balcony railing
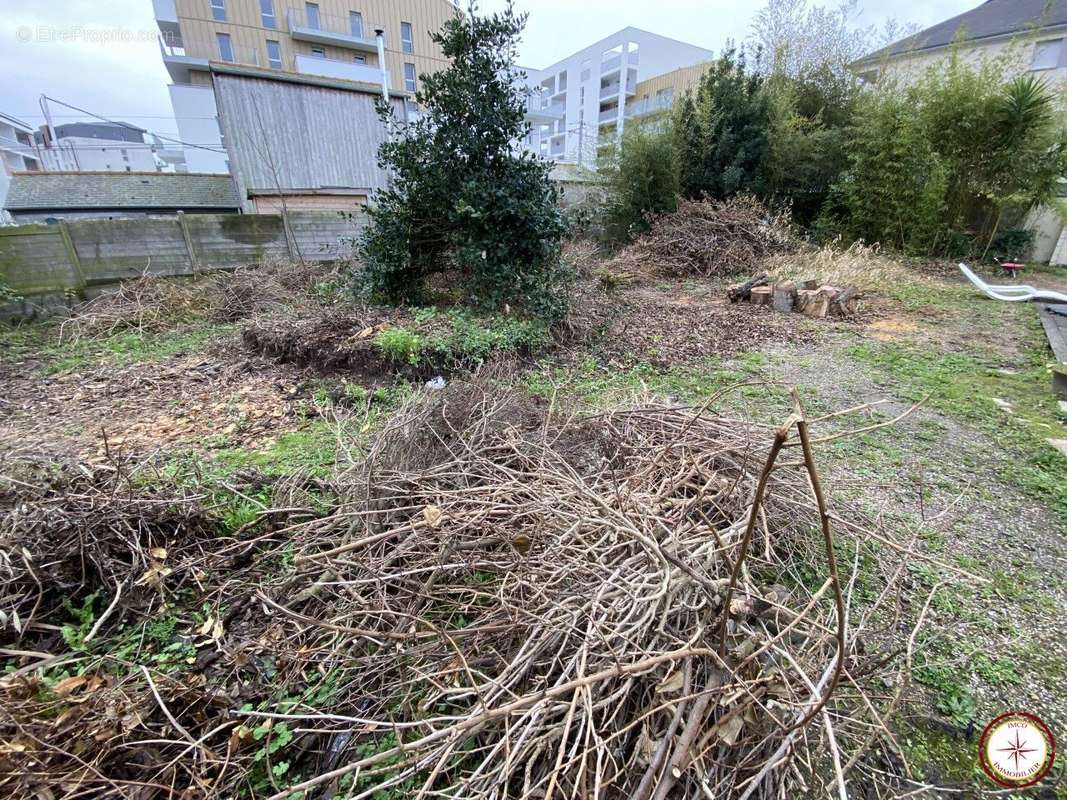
353	32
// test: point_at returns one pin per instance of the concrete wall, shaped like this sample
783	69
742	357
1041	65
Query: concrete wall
43	263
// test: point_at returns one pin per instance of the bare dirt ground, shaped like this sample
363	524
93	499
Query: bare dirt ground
179	400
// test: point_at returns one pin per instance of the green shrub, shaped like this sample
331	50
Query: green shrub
944	166
722	134
462	198
472	339
894	191
400	345
809	117
642	181
1012	245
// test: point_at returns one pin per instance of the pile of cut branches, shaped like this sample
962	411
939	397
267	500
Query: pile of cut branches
152	303
75	532
503	601
709	238
642	604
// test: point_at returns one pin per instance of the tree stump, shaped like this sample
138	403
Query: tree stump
785	296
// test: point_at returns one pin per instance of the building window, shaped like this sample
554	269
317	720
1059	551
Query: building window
407	42
1047	54
318	52
359	59
355	23
225	46
274	54
409	77
312	12
218	10
266	11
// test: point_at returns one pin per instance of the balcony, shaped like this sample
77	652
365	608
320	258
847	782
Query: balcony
652	105
178	64
326	29
540	112
167	19
344	70
615	62
610	115
612	89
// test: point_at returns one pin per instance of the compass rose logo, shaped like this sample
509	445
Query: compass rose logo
1017	750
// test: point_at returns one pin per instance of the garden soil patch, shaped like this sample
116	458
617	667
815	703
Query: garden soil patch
150	405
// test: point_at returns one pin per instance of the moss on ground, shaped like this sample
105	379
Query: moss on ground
964	387
55	355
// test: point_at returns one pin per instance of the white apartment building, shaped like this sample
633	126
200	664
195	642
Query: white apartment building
97	147
584	101
17	154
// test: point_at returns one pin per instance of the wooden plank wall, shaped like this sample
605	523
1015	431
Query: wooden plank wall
299	137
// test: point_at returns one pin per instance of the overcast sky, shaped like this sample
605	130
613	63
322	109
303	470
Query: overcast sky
103	56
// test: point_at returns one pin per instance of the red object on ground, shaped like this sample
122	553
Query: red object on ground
1011	268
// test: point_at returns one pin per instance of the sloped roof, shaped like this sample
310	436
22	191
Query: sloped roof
82	190
994	18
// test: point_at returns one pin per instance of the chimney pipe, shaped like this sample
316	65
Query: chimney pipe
379	35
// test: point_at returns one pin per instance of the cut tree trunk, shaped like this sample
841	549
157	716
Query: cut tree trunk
785	296
743	291
761	295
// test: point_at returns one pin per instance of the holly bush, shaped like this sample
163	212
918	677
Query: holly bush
463	198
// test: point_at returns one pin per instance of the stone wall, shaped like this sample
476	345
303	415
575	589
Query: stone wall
50	265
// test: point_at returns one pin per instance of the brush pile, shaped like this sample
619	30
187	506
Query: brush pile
153	303
501	602
709	238
74	531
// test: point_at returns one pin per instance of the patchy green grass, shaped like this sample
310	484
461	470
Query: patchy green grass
55	356
458	338
594	386
941	755
314	449
963	386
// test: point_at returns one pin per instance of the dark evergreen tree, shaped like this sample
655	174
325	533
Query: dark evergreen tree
734	117
463	198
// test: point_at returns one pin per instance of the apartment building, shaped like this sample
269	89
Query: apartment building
17	154
584	101
329	38
1025	37
96	147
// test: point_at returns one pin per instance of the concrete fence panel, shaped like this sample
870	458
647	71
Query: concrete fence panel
34	259
47	264
110	251
325	235
230	240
